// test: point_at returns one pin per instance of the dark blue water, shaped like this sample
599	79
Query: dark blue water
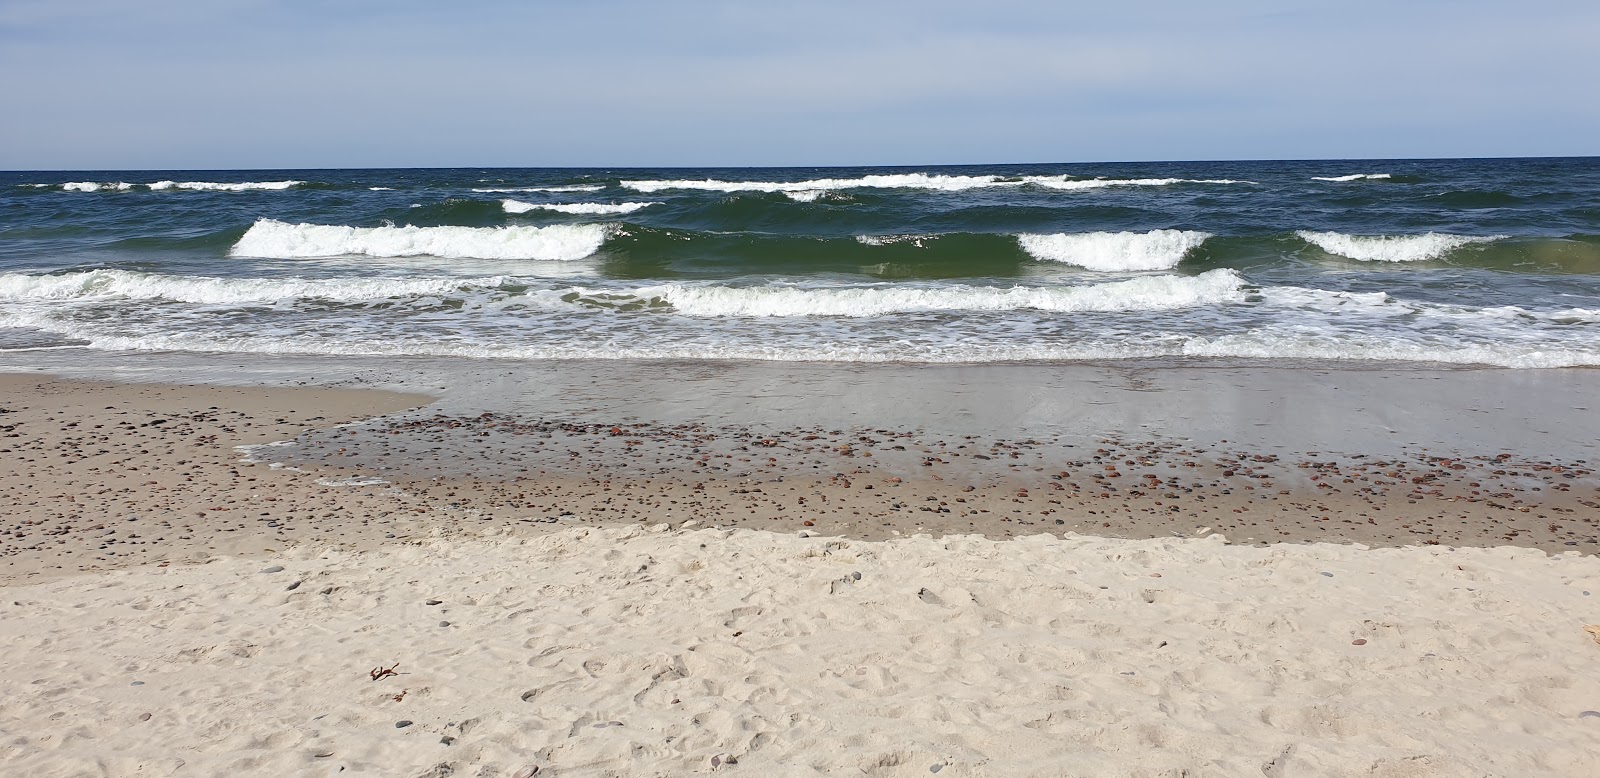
1475	262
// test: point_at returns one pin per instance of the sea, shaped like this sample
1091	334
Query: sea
1480	262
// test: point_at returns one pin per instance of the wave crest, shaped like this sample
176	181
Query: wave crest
517	206
269	238
1391	248
1115	251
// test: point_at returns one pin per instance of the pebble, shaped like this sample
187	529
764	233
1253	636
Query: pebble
144	717
526	772
444	623
1326	574
1589	714
433	602
402	724
137	683
294	585
1358	642
273	569
935	768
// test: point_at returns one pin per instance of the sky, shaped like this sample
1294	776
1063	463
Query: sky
216	84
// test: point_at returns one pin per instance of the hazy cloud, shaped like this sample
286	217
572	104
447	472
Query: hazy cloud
241	83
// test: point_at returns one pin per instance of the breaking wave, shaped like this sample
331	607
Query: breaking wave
1139	294
569	188
517	206
1355	177
1115	251
804	190
274	239
1391	248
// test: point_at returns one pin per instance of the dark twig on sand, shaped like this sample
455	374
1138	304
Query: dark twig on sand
380	672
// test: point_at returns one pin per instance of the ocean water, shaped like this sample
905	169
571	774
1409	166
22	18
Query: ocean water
1363	263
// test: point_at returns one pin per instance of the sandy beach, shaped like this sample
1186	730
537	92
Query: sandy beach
199	580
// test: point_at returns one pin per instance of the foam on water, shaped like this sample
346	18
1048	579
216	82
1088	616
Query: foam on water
900	181
1068	183
569	188
1138	294
274	239
805	195
1115	251
943	183
204	290
517	206
95	186
1391	248
212	186
1354	177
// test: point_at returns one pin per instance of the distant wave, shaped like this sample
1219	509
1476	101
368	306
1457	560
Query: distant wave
517	206
1391	248
570	188
211	186
157	186
93	186
908	181
1067	183
271	238
1115	251
1354	177
1138	294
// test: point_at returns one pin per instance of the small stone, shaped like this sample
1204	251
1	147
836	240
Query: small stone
402	724
526	772
323	754
856	575
1358	642
137	683
1589	714
446	740
272	569
294	586
935	768
1326	574
433	602
144	717
444	623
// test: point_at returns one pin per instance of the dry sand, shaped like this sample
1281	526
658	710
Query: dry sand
626	651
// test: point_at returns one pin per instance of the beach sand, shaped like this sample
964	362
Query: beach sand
137	531
633	651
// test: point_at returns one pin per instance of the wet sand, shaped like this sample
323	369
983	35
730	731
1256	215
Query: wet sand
107	475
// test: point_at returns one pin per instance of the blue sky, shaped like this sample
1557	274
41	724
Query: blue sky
360	83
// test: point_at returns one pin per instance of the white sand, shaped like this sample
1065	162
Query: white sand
638	652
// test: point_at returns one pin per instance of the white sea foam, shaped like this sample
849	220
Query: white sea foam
1151	293
807	191
1391	248
1354	177
569	188
517	206
889	240
95	186
1115	251
275	239
213	186
380	189
205	290
1068	183
897	181
805	195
